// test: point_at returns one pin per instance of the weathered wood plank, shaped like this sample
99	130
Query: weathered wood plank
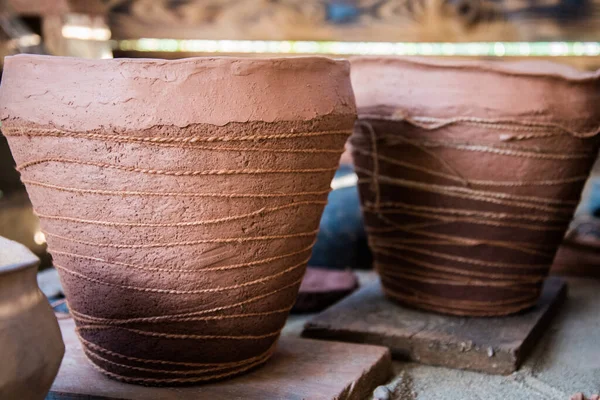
339	20
60	7
358	20
300	369
491	345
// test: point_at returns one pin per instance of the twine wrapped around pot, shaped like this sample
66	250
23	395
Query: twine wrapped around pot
469	173
180	199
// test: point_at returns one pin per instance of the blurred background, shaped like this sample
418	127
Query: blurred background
566	31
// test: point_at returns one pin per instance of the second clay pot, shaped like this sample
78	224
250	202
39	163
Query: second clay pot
469	173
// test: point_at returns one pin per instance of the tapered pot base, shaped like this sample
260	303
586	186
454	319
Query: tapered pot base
180	199
469	174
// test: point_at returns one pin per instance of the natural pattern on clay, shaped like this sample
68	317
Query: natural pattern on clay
181	212
469	174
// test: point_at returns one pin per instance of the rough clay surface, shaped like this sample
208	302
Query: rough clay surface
127	94
463	220
486	89
140	229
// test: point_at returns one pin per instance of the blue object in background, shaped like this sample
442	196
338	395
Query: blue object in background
340	13
595	198
342	240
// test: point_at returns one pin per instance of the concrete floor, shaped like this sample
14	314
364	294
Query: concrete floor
564	362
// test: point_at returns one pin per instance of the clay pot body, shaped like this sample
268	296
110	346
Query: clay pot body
31	346
180	199
469	173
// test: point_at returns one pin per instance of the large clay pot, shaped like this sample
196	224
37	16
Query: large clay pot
31	346
469	173
180	199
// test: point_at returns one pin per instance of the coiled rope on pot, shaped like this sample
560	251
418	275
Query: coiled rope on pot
423	267
248	299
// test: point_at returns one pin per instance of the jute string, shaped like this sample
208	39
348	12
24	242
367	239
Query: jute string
173	194
171	372
415	240
202	269
189	144
91	349
150	171
259	212
453	270
118	322
453	219
401	207
450	306
234	240
188	316
236	368
67	248
476	182
105	351
465	260
453	240
185	292
468	304
90	323
81	328
437	279
179	372
543	129
507	151
29	131
498	149
503	199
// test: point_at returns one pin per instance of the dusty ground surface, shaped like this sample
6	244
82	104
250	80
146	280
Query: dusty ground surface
565	361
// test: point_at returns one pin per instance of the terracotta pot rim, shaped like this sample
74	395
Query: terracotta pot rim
138	94
276	62
538	68
17	258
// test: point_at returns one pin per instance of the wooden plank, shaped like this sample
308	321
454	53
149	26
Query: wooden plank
60	7
38	7
358	20
344	20
323	287
300	369
577	261
579	254
491	345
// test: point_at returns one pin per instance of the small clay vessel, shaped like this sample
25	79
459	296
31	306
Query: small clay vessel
322	287
579	253
180	199
469	173
31	346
